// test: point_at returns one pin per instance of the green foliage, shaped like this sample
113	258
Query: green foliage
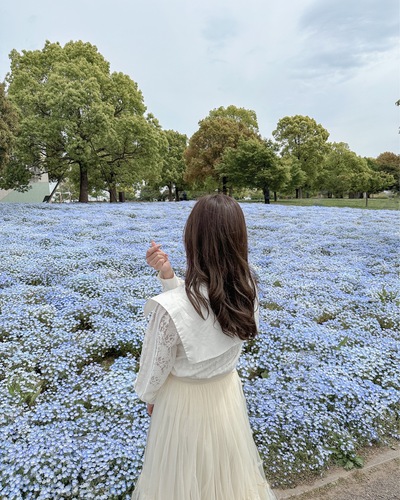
300	137
254	163
324	317
373	203
150	193
386	296
223	128
75	114
342	343
27	393
348	461
9	178
246	117
343	171
388	164
297	176
173	170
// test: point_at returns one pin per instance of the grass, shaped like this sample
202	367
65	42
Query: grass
373	203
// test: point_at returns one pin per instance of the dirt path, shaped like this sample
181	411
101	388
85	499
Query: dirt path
378	480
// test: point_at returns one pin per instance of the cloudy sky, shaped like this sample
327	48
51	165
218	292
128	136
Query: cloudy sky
336	61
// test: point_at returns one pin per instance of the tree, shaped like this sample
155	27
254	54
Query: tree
380	180
132	150
343	171
389	163
297	176
254	164
302	138
246	117
173	170
221	129
76	115
10	177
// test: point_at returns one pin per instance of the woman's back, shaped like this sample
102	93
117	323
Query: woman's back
183	343
200	445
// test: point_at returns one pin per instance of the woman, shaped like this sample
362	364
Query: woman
200	445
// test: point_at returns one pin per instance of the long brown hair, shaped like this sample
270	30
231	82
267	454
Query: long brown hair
217	258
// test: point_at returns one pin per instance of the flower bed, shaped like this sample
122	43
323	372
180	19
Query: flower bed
321	380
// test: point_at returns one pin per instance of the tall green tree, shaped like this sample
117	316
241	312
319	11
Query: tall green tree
254	164
389	163
304	139
10	176
76	115
343	171
297	176
132	150
174	167
221	129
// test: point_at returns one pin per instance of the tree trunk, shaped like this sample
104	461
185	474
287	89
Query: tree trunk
299	193
83	185
121	196
266	195
113	194
170	194
275	196
176	193
224	187
329	194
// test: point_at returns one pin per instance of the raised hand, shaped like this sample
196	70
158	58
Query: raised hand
158	260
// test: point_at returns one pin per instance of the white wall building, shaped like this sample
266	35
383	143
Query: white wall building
39	189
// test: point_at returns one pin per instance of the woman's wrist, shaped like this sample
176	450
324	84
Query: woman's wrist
167	275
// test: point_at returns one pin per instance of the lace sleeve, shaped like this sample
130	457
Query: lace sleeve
158	355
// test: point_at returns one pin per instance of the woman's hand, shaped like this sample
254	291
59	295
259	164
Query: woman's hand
158	260
150	409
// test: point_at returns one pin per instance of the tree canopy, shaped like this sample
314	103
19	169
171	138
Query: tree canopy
10	176
303	138
223	128
254	164
173	170
343	171
389	163
63	112
76	115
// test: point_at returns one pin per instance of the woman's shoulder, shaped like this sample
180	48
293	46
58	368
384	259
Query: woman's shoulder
174	299
202	337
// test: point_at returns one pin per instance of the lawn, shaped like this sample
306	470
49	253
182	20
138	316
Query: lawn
321	380
372	203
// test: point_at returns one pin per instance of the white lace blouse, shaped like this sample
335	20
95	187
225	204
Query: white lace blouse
163	353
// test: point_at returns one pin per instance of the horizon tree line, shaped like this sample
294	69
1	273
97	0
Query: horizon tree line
62	112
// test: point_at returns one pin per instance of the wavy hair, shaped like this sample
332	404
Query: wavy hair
216	246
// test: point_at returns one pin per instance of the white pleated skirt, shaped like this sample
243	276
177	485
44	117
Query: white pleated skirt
200	445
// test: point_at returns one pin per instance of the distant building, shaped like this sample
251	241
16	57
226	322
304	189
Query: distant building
39	189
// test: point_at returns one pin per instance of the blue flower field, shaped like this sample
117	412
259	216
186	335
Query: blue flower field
322	379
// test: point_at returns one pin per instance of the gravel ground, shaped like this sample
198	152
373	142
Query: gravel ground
381	482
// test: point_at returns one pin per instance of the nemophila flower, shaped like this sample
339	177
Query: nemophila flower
321	379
